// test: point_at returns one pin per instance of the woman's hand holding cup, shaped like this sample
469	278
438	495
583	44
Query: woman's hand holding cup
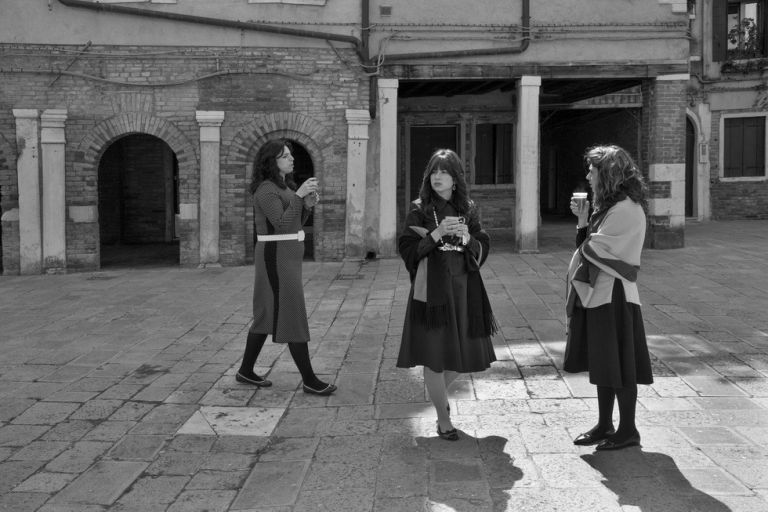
308	187
580	206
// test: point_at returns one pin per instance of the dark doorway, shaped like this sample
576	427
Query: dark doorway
690	164
565	137
425	140
138	202
303	169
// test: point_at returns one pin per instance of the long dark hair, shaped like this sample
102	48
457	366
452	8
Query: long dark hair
617	177
446	160
265	167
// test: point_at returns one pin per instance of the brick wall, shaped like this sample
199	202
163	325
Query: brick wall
248	84
496	204
663	142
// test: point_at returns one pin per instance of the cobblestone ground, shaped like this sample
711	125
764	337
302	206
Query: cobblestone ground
117	393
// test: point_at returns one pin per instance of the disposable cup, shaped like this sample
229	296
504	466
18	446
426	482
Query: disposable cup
580	198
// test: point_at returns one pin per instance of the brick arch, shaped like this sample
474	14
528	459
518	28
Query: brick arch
93	145
85	168
315	137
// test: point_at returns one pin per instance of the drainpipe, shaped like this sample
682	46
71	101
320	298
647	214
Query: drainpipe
204	20
526	24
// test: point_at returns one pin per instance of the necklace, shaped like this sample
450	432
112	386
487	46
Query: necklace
437	224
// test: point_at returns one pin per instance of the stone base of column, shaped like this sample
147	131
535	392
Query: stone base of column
661	236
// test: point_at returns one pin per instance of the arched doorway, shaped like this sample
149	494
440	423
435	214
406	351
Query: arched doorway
138	201
303	169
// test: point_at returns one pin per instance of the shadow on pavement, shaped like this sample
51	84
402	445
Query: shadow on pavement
470	474
650	482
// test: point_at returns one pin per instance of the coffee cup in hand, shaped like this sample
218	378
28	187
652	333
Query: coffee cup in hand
580	198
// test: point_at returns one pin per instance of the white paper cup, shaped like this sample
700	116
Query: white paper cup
580	198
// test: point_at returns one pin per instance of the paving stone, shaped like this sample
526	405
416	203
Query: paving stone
208	479
102	484
303	422
147	491
46	413
109	431
712	435
354	388
40	450
69	431
22	501
253	421
96	410
210	501
78	458
240	444
13	472
134	447
271	484
45	482
356	500
176	463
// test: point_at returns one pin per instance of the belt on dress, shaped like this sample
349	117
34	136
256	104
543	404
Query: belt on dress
281	238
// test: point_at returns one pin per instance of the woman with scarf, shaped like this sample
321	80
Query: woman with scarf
448	320
606	336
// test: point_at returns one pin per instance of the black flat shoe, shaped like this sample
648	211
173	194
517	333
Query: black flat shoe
327	390
592	437
612	444
257	381
448	435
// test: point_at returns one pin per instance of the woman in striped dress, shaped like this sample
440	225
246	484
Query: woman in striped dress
280	210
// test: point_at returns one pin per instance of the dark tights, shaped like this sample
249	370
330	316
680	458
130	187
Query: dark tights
299	352
627	398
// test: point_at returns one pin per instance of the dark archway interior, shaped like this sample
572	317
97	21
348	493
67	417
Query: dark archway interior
138	201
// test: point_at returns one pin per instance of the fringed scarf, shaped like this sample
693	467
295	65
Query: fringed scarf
431	282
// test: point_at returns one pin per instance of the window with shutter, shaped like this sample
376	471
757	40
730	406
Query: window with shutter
744	147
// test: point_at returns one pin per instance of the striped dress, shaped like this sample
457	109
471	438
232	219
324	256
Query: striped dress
278	294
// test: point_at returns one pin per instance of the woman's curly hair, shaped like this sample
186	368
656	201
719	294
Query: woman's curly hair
617	177
265	167
446	160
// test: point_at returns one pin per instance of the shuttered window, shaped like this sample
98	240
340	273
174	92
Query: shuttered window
744	147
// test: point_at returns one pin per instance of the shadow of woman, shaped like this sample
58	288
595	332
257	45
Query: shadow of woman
651	482
471	474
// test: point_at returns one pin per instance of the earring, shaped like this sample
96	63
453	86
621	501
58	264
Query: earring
454	187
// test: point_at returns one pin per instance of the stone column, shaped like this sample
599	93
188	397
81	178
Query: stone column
664	110
210	144
527	165
387	117
357	154
54	187
28	171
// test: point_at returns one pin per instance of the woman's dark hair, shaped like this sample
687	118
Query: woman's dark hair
446	160
617	176
265	167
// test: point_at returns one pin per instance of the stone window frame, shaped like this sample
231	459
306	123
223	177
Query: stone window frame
721	156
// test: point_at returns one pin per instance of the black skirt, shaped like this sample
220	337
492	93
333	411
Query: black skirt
609	342
449	347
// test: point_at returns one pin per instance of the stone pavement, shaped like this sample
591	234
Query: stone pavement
117	393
